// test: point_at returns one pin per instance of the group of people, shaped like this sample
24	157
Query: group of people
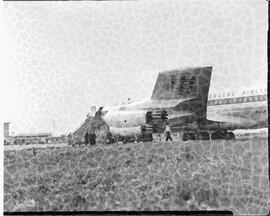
90	138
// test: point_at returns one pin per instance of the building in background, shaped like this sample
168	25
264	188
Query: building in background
33	138
7	138
21	139
6	130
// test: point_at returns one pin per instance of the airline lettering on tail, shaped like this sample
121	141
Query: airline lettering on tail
187	85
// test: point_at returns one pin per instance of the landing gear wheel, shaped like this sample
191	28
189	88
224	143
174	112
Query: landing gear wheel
196	136
221	134
204	136
185	137
231	136
193	136
214	136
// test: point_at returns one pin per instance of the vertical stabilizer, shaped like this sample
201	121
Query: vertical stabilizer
182	83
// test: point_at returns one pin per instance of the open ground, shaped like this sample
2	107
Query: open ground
195	175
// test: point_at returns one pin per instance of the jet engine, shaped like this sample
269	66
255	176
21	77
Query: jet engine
132	131
125	119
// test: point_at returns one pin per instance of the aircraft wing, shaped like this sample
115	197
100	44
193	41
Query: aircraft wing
237	114
179	115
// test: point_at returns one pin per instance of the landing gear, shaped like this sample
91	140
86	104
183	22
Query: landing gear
222	134
206	136
231	136
214	136
196	136
189	136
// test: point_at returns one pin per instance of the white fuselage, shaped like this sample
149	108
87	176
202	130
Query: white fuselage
241	108
233	109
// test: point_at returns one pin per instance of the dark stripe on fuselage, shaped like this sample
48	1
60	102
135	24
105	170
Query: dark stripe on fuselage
237	100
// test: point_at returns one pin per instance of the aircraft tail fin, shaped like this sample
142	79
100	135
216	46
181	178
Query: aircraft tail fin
190	85
182	83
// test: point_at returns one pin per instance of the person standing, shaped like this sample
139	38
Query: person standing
69	139
168	132
109	137
196	129
92	138
86	138
34	151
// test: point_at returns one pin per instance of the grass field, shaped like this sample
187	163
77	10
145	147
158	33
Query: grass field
220	175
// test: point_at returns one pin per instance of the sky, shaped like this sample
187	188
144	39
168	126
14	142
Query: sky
61	58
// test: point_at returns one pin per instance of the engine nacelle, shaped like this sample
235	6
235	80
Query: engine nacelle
125	119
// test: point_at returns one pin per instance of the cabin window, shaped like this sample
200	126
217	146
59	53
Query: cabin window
228	94
214	95
252	91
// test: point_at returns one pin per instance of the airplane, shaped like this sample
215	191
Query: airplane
181	98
